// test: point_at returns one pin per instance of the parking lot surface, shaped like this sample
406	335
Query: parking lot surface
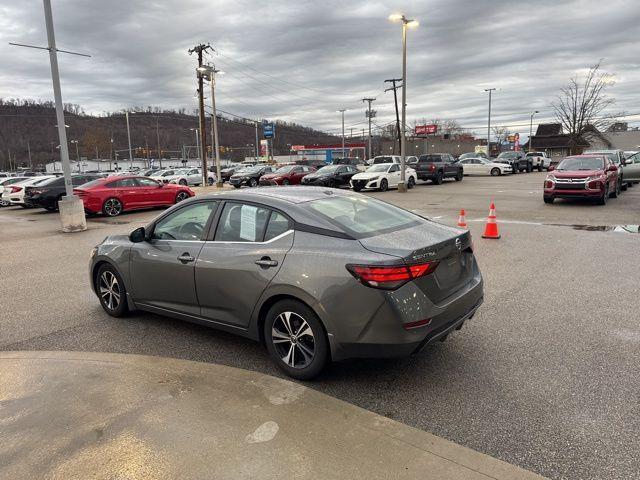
544	376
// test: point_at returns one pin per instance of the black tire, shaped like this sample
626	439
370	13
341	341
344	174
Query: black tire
411	183
310	350
182	182
285	182
356	188
495	171
253	182
539	167
548	199
210	182
181	196
604	197
623	185
384	185
113	297
514	169
459	175
237	186
112	207
529	168
616	191
439	178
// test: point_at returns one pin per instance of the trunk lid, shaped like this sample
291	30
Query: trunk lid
428	242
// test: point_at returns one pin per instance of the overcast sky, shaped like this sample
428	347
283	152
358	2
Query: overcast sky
302	60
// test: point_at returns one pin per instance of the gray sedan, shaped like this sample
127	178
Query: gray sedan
315	274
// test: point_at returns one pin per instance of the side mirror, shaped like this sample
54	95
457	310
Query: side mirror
138	235
551	168
612	168
628	161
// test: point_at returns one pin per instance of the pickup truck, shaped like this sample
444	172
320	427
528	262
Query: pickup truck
436	167
539	160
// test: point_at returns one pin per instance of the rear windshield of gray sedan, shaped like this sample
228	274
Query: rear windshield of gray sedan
362	217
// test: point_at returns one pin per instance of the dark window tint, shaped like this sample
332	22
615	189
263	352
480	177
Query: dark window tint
278	224
430	158
241	223
146	182
394	168
124	183
187	223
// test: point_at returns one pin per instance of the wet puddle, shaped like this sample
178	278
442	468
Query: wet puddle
601	228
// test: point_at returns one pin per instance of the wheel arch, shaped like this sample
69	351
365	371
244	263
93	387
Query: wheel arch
94	277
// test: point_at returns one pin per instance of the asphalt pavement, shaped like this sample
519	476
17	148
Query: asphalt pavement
544	377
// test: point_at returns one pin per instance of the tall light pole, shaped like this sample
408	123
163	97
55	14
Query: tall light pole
29	152
126	114
489	123
342	112
77	153
158	137
211	71
402	186
531	129
197	141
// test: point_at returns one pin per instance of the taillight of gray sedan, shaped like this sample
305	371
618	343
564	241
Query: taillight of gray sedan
315	274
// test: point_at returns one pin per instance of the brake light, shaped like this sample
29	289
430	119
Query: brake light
390	277
432	167
16	189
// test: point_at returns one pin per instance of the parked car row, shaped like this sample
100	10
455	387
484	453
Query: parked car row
108	195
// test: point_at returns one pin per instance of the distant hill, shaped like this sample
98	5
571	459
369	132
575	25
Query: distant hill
32	124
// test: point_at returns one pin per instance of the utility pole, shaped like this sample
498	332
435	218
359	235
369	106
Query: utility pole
158	137
395	99
126	114
369	114
531	130
29	152
257	146
489	123
211	71
199	49
342	112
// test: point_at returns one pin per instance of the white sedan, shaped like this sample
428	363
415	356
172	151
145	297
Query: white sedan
5	183
482	166
382	177
14	193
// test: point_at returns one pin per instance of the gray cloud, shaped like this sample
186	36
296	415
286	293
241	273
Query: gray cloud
303	60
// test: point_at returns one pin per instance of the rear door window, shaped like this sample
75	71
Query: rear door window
241	223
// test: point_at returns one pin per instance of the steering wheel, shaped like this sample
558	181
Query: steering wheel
192	229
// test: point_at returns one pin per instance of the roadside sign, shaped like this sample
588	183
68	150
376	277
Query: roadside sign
268	130
426	129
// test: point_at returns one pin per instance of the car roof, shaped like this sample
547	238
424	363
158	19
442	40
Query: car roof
293	195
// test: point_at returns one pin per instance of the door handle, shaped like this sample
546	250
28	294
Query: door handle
186	258
266	262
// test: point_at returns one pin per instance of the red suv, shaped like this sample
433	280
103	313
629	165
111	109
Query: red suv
582	176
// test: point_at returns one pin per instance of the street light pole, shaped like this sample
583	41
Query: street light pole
489	123
158	135
77	153
257	146
402	186
531	129
129	138
342	112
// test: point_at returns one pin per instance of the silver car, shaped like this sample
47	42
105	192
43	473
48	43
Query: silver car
315	274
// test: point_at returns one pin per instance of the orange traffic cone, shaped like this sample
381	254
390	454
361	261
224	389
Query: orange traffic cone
462	222
491	228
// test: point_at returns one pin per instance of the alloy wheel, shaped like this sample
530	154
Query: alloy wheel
181	196
293	340
109	290
112	207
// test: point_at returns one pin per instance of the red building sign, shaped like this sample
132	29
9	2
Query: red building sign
426	129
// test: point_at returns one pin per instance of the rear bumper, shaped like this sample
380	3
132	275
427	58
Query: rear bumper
385	336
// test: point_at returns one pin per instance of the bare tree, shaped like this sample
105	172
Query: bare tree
501	134
581	104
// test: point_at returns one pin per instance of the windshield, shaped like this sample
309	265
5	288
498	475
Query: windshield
507	155
283	170
383	167
468	155
430	158
255	169
581	163
93	183
385	159
362	217
329	169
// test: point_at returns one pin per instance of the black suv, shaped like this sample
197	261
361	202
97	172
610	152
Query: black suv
249	176
436	167
517	160
48	193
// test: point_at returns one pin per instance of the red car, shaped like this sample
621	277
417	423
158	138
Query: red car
113	195
582	176
286	175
